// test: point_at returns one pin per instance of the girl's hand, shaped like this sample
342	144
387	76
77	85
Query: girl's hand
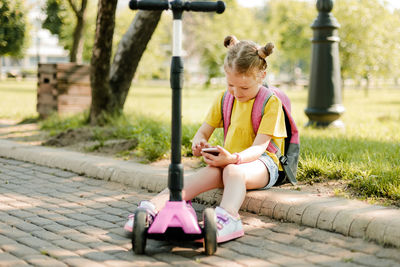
197	147
224	158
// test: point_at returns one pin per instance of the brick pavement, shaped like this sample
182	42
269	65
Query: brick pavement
51	217
348	217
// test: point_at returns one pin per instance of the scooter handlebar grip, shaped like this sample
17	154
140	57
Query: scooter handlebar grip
218	6
149	5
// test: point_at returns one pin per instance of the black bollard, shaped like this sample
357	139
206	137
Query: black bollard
324	106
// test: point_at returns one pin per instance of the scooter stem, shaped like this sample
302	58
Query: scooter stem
175	172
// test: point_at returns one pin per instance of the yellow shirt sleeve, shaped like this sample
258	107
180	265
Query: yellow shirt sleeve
214	116
273	120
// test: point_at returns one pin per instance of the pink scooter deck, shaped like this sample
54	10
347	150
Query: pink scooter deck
175	214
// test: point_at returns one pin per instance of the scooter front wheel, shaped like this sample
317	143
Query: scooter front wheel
139	231
210	231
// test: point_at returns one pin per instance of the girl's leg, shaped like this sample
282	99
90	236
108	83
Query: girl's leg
205	179
237	179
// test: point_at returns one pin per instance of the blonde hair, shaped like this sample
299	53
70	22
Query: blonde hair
245	57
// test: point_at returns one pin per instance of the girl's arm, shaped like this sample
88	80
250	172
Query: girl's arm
252	153
200	138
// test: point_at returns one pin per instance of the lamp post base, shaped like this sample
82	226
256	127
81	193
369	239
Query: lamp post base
326	124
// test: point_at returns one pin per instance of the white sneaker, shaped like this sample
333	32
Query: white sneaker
151	213
228	227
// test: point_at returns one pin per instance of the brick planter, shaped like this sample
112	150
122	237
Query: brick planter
63	88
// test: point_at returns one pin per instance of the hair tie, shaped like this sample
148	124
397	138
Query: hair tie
261	53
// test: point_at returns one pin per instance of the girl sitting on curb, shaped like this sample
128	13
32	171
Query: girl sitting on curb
244	162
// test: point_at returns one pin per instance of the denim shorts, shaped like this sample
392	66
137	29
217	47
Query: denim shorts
272	169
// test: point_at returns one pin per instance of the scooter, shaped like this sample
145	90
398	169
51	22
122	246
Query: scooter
177	220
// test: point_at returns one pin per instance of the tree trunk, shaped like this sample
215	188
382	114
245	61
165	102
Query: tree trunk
77	42
100	63
128	55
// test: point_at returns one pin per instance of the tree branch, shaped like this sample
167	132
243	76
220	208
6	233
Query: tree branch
72	5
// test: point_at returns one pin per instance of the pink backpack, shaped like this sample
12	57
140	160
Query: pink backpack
290	159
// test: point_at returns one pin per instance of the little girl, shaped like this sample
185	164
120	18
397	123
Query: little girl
244	162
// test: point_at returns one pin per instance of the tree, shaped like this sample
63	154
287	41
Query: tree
205	35
110	88
57	17
128	55
100	63
12	30
289	23
369	36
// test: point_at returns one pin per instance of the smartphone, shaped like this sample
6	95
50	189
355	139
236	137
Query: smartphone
212	150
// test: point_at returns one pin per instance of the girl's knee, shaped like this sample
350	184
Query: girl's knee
233	172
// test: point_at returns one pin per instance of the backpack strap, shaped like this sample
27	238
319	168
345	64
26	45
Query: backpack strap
263	95
226	110
257	113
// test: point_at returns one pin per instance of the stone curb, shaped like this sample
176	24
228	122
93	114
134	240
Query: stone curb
348	217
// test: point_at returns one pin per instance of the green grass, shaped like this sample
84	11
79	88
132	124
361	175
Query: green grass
18	99
366	154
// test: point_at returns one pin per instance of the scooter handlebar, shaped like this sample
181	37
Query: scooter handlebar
149	5
202	6
218	6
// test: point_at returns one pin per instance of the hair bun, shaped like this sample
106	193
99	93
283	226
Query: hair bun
230	41
265	51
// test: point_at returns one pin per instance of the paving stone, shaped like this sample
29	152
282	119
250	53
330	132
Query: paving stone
218	261
91	230
109	218
174	260
20	214
46	235
328	215
69	245
59	229
14	233
312	212
34	242
239	258
389	253
19	250
58	253
43	261
80	217
79	262
107	247
371	260
345	218
82	238
96	255
101	224
11	220
324	260
70	223
39	221
295	213
392	234
7	259
27	227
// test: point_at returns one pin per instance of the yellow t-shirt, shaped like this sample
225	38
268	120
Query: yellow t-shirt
240	133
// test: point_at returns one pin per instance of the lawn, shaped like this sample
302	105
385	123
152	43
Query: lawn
366	154
17	99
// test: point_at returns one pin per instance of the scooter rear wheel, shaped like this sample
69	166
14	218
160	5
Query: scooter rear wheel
210	232
139	231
